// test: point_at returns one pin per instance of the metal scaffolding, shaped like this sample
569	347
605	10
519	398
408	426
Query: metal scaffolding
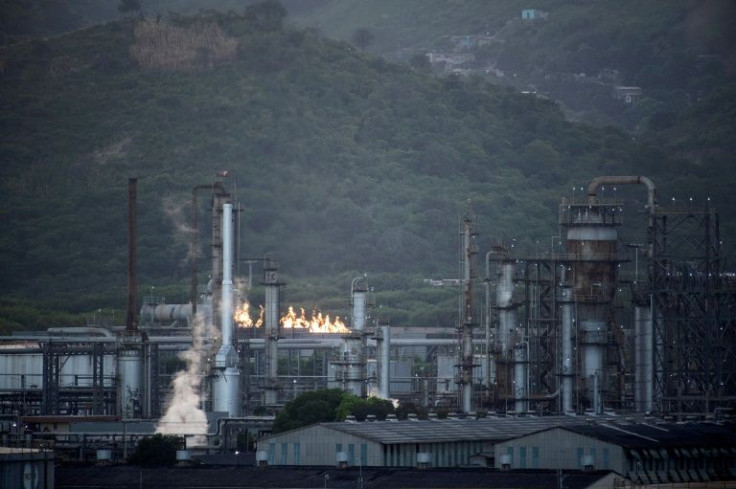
693	302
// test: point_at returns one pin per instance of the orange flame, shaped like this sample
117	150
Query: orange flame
242	317
317	324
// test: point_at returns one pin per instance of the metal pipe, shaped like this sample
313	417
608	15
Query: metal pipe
78	330
623	180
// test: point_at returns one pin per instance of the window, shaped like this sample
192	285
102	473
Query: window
297	454
351	454
522	457
606	459
284	453
535	457
363	454
272	454
581	452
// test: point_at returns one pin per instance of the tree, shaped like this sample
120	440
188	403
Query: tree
157	450
309	408
363	38
420	62
126	6
266	16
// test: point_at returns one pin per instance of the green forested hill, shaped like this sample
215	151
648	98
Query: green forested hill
344	163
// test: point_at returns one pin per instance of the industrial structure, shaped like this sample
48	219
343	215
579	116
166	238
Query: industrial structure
643	450
573	331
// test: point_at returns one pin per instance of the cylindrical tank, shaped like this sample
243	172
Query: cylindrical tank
227	392
591	243
353	365
359	306
130	373
26	468
593	341
165	313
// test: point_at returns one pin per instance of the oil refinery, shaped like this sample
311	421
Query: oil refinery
592	327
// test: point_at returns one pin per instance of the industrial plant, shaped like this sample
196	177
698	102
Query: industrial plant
592	338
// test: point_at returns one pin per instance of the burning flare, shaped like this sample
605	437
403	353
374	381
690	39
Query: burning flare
318	323
242	317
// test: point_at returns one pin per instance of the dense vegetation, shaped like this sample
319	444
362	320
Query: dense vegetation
344	162
157	450
327	405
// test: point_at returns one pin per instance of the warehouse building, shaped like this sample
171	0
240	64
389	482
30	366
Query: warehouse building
412	443
643	452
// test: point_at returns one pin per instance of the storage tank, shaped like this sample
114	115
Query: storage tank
26	468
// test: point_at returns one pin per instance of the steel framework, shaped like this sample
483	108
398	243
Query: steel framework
693	302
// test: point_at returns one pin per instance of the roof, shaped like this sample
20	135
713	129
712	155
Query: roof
448	430
645	435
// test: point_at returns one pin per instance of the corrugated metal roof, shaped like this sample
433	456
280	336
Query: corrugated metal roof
450	430
647	436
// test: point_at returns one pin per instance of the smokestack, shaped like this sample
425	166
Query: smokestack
131	322
129	360
227	383
226	302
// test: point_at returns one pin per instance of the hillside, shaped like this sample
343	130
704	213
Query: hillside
344	162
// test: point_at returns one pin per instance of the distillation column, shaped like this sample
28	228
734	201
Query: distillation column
566	355
465	367
353	355
383	339
591	248
271	324
227	383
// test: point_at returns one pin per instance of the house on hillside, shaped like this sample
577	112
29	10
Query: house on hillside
450	61
628	95
533	15
461	43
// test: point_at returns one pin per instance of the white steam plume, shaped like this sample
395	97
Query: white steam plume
184	415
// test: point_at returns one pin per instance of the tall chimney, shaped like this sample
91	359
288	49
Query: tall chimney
131	322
